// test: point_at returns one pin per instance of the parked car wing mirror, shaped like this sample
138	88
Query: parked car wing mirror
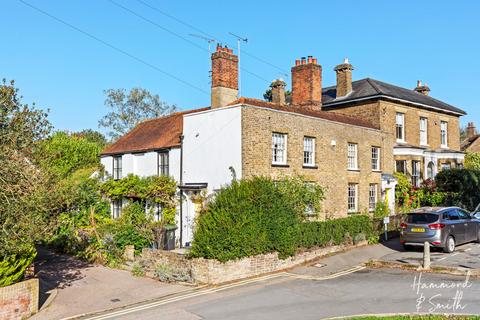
477	209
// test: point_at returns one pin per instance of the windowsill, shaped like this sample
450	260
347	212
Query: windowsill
352	212
444	147
377	170
309	166
353	170
424	145
280	165
401	141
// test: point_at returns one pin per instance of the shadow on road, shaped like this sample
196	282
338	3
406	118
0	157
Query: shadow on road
56	271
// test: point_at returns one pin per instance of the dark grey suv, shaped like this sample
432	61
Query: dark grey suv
441	227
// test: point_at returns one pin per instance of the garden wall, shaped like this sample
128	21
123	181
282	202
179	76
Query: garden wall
19	300
209	271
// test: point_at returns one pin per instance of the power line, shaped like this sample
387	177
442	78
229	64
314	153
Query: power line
176	34
283	71
111	46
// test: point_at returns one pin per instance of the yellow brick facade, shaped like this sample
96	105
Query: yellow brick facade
330	169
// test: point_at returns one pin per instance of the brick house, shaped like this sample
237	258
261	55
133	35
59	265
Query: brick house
472	142
348	138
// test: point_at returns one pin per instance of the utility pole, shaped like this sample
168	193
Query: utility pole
239	40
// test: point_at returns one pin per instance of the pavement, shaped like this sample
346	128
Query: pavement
69	286
464	257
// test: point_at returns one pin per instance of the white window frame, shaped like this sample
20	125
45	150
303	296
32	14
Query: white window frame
416	173
444	134
275	138
308	151
117	167
400	124
372	196
117	208
376	160
352	197
404	166
352	156
423	128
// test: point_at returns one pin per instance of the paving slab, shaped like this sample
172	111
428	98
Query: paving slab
80	287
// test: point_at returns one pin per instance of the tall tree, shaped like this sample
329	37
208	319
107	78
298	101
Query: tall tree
127	110
24	207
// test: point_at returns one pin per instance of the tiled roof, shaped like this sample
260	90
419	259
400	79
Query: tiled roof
163	132
305	111
468	142
371	88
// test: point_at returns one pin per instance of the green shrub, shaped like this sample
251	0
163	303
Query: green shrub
461	187
472	160
254	216
138	270
165	273
381	210
333	232
12	267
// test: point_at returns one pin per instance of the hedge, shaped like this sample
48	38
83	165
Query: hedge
12	267
323	233
259	216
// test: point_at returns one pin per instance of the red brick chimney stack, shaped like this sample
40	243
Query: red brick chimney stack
224	77
307	83
471	130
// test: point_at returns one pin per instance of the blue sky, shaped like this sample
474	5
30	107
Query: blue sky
393	41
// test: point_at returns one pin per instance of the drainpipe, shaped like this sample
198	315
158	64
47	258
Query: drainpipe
181	191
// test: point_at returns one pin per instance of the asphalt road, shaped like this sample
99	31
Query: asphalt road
294	296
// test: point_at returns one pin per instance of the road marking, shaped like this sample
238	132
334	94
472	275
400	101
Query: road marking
331	276
455	254
202	292
468	249
178	298
442	259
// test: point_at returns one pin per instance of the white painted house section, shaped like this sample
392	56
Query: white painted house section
212	144
144	164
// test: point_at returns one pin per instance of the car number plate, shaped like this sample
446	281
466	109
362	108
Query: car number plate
418	229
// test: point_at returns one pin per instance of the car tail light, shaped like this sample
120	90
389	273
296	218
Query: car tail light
403	225
437	243
436	226
402	241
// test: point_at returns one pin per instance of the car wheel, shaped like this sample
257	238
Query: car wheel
449	245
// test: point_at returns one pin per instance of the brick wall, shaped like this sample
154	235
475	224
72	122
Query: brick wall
331	161
19	300
382	114
210	271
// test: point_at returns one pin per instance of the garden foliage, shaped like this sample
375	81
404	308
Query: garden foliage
13	266
462	187
254	216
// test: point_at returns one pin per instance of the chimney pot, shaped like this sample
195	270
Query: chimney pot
314	60
423	89
309	59
297	62
304	60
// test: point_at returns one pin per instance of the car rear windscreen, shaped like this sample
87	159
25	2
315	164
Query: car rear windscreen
422	218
